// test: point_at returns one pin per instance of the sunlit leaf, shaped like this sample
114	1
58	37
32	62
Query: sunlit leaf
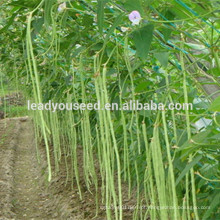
215	106
142	40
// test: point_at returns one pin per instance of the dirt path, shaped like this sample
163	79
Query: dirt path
29	199
23	175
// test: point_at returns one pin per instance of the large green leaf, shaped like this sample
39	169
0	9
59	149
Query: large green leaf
143	86
215	106
132	5
214	204
188	167
162	57
100	15
115	24
166	33
142	40
25	3
197	141
10	22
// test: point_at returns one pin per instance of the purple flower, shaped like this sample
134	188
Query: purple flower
135	17
62	7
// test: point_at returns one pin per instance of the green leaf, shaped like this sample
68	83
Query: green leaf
115	24
143	86
37	25
214	204
87	21
166	33
145	113
189	146
188	167
162	58
201	137
132	5
215	106
10	22
142	40
100	15
214	71
97	46
25	3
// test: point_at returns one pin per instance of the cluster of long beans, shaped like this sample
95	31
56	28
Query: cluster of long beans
67	130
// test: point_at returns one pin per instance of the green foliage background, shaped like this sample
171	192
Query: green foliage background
83	54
